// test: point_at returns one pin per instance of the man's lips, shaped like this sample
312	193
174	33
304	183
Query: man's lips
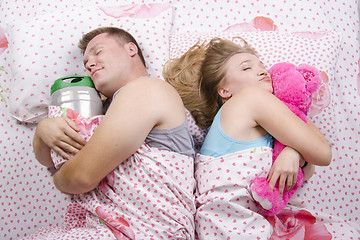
94	72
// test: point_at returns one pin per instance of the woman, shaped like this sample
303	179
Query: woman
232	96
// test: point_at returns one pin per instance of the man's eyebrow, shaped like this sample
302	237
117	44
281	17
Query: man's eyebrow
85	61
91	50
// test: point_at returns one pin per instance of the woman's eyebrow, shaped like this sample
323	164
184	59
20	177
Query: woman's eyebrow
243	62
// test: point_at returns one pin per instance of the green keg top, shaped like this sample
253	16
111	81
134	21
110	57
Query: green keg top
72	81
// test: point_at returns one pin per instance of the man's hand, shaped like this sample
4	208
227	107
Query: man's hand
60	134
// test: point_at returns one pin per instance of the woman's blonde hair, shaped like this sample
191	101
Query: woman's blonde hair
197	74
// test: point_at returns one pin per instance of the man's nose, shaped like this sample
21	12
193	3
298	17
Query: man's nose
90	64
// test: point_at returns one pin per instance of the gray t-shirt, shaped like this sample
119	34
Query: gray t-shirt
177	139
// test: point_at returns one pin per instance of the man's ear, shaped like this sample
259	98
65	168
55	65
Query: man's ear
224	93
132	49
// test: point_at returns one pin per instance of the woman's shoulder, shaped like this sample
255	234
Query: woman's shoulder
248	95
247	103
252	91
240	113
251	96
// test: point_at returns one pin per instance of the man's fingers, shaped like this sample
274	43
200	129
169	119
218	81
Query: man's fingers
62	153
72	124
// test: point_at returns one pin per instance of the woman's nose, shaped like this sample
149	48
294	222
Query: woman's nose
263	72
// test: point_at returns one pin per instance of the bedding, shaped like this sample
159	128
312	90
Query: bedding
35	43
319	49
145	217
224	204
225	207
42	58
87	127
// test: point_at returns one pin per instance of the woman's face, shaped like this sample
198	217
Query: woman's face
243	70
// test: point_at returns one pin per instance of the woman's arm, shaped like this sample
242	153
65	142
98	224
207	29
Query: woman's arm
278	120
253	112
307	168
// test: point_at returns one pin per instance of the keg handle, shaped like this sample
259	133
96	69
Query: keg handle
71	81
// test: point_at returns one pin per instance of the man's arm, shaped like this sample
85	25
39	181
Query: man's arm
136	110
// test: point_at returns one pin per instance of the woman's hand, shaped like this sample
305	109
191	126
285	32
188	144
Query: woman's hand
285	169
308	170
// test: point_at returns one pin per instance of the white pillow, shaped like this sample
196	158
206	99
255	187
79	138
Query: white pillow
319	49
219	15
44	49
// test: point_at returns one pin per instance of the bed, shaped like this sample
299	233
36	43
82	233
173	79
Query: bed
38	41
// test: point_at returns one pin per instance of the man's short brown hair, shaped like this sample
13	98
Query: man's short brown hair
119	33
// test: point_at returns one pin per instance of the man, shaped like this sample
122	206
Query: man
143	109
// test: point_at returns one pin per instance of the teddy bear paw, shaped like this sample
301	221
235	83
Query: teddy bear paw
264	203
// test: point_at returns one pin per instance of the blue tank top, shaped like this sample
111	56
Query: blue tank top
217	143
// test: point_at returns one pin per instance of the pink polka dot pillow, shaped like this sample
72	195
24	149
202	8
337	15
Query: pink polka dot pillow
44	48
320	49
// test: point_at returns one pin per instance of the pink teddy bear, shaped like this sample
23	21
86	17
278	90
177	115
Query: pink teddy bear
294	86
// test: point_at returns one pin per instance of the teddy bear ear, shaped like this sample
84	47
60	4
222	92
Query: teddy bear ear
280	68
311	75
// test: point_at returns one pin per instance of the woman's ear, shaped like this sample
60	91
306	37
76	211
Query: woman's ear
224	93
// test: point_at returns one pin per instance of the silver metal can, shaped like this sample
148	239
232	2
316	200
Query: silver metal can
78	93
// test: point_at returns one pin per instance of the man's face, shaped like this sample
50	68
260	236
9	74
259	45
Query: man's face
106	62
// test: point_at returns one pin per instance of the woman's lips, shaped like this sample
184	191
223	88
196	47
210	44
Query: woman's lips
265	79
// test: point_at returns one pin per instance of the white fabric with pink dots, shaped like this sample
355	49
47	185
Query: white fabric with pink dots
149	196
45	48
225	206
227	210
319	49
